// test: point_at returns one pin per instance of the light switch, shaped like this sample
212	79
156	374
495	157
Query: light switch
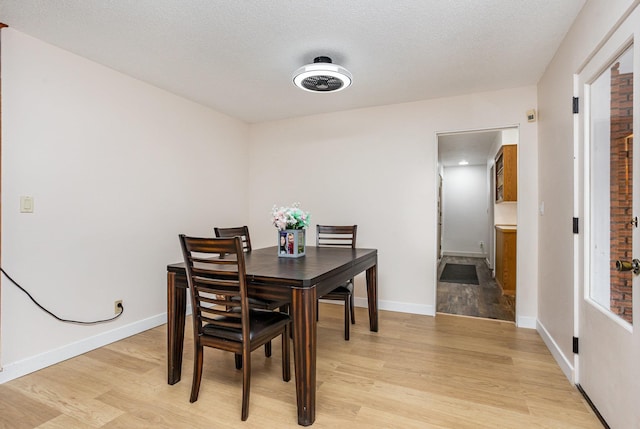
26	204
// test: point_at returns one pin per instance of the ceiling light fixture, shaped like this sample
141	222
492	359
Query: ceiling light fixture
322	76
463	162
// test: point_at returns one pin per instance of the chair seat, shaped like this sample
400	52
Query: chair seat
259	303
345	289
259	321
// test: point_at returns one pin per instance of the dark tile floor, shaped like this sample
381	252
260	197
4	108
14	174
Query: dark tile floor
484	300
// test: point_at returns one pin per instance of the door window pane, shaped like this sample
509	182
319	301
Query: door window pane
611	146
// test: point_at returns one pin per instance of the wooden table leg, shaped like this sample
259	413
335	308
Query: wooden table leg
372	296
176	308
303	311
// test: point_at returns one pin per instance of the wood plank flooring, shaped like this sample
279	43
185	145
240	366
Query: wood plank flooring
484	300
417	372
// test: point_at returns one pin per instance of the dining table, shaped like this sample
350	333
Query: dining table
297	282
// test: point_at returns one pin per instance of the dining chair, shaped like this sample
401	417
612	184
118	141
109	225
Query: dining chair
221	314
237	231
340	236
243	233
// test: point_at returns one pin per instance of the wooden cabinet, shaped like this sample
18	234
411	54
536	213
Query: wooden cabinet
507	173
506	258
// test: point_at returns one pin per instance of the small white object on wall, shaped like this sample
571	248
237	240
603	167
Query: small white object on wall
26	204
531	115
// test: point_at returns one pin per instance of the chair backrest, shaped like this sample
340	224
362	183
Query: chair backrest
240	231
336	236
216	284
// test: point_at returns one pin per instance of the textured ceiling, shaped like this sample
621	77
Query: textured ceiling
238	56
473	147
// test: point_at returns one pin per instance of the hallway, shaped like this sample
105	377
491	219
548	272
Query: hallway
484	300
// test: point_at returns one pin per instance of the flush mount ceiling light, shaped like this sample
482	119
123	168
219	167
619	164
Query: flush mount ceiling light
322	76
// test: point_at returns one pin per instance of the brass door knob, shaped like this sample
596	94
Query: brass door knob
634	266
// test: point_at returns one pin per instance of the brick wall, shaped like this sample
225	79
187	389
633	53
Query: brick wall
621	189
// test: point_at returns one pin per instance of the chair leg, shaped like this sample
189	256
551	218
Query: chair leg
238	359
246	384
286	309
197	374
267	349
347	318
286	347
353	315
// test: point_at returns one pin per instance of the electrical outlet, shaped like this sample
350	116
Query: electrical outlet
117	306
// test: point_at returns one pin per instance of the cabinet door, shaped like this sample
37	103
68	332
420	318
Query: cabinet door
506	259
507	173
500	257
510	172
509	262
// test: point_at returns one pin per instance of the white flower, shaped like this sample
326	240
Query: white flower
290	217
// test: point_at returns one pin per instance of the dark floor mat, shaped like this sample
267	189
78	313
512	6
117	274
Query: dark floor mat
459	273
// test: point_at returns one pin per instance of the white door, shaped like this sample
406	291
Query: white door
608	202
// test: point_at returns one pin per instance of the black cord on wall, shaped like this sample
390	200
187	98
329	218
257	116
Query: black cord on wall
53	315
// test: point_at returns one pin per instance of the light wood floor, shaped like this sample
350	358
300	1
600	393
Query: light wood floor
417	372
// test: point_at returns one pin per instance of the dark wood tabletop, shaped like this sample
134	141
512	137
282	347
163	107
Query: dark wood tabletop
319	263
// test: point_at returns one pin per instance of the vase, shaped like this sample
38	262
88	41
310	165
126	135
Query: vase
291	243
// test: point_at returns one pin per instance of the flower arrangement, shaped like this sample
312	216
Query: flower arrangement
290	217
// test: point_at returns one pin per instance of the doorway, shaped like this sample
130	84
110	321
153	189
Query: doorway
608	205
467	219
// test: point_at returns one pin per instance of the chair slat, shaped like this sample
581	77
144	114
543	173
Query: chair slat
241	231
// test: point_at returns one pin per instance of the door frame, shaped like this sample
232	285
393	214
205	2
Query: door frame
1	27
619	37
492	236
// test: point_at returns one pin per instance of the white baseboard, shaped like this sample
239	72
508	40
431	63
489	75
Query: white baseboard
428	310
399	307
526	322
565	364
466	254
26	366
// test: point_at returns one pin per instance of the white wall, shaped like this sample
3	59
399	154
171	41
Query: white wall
555	90
506	213
376	167
465	216
117	169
